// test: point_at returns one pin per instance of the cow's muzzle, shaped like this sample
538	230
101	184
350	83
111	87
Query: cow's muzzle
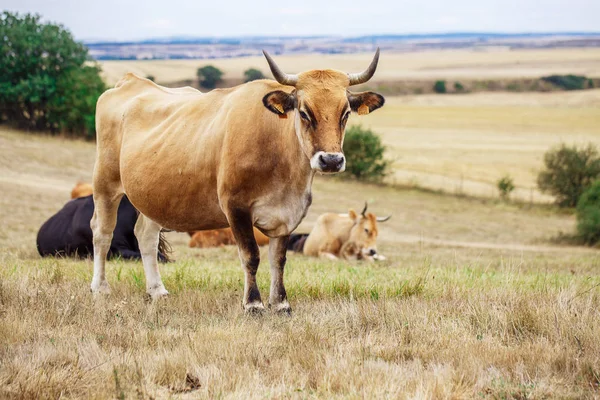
329	163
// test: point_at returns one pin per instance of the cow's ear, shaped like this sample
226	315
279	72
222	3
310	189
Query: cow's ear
280	102
365	102
352	214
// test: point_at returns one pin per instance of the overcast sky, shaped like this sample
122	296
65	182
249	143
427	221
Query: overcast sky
126	19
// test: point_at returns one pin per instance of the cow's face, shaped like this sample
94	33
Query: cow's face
320	105
364	233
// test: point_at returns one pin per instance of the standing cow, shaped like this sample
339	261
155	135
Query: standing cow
240	157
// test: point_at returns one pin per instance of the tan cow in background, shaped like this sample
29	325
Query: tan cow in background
346	236
239	157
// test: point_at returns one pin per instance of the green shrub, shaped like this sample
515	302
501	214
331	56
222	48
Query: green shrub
439	87
505	186
567	82
209	76
458	87
47	81
588	214
252	74
151	77
365	154
590	83
568	172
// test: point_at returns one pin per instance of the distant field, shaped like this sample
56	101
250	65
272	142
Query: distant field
465	143
466	64
474	301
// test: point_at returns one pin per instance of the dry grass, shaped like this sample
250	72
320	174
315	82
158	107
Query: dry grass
451	64
465	143
444	317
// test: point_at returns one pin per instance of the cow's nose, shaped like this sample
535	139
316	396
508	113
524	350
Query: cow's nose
372	252
331	162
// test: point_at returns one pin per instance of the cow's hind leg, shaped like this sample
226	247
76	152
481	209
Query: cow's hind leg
103	224
241	225
278	297
147	233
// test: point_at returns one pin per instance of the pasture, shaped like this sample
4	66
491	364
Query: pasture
459	144
474	301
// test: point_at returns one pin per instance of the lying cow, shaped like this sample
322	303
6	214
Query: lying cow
221	237
68	232
81	189
346	236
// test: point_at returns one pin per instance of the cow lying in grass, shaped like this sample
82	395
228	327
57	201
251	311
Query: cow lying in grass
68	233
349	236
221	237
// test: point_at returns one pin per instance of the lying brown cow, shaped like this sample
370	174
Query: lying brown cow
348	236
81	189
221	237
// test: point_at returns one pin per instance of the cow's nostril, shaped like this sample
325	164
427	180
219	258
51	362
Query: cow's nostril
372	252
322	161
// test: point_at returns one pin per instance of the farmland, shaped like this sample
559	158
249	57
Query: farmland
477	297
474	300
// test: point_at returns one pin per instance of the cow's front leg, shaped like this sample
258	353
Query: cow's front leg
278	297
241	225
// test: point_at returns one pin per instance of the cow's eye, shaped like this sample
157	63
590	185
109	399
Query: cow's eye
366	230
346	116
304	116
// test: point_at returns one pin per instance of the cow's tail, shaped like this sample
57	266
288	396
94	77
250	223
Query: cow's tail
164	247
296	242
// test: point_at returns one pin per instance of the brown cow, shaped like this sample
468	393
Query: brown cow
246	154
222	237
81	189
347	236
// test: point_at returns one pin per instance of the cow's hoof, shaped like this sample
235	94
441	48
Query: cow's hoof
282	308
157	292
100	288
254	308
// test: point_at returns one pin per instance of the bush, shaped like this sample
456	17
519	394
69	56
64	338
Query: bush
151	77
439	87
567	82
458	87
505	186
568	172
252	74
588	214
209	76
365	154
47	81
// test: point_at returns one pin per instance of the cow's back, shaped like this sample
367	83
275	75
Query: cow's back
328	235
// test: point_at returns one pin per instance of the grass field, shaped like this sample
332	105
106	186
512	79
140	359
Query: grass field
474	301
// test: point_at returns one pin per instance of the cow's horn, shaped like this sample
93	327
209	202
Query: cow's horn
383	219
279	75
364	210
367	74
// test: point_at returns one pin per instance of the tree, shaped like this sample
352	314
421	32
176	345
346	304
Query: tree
588	214
439	87
47	81
209	76
568	172
253	74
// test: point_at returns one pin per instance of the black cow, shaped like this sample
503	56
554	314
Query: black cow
68	232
